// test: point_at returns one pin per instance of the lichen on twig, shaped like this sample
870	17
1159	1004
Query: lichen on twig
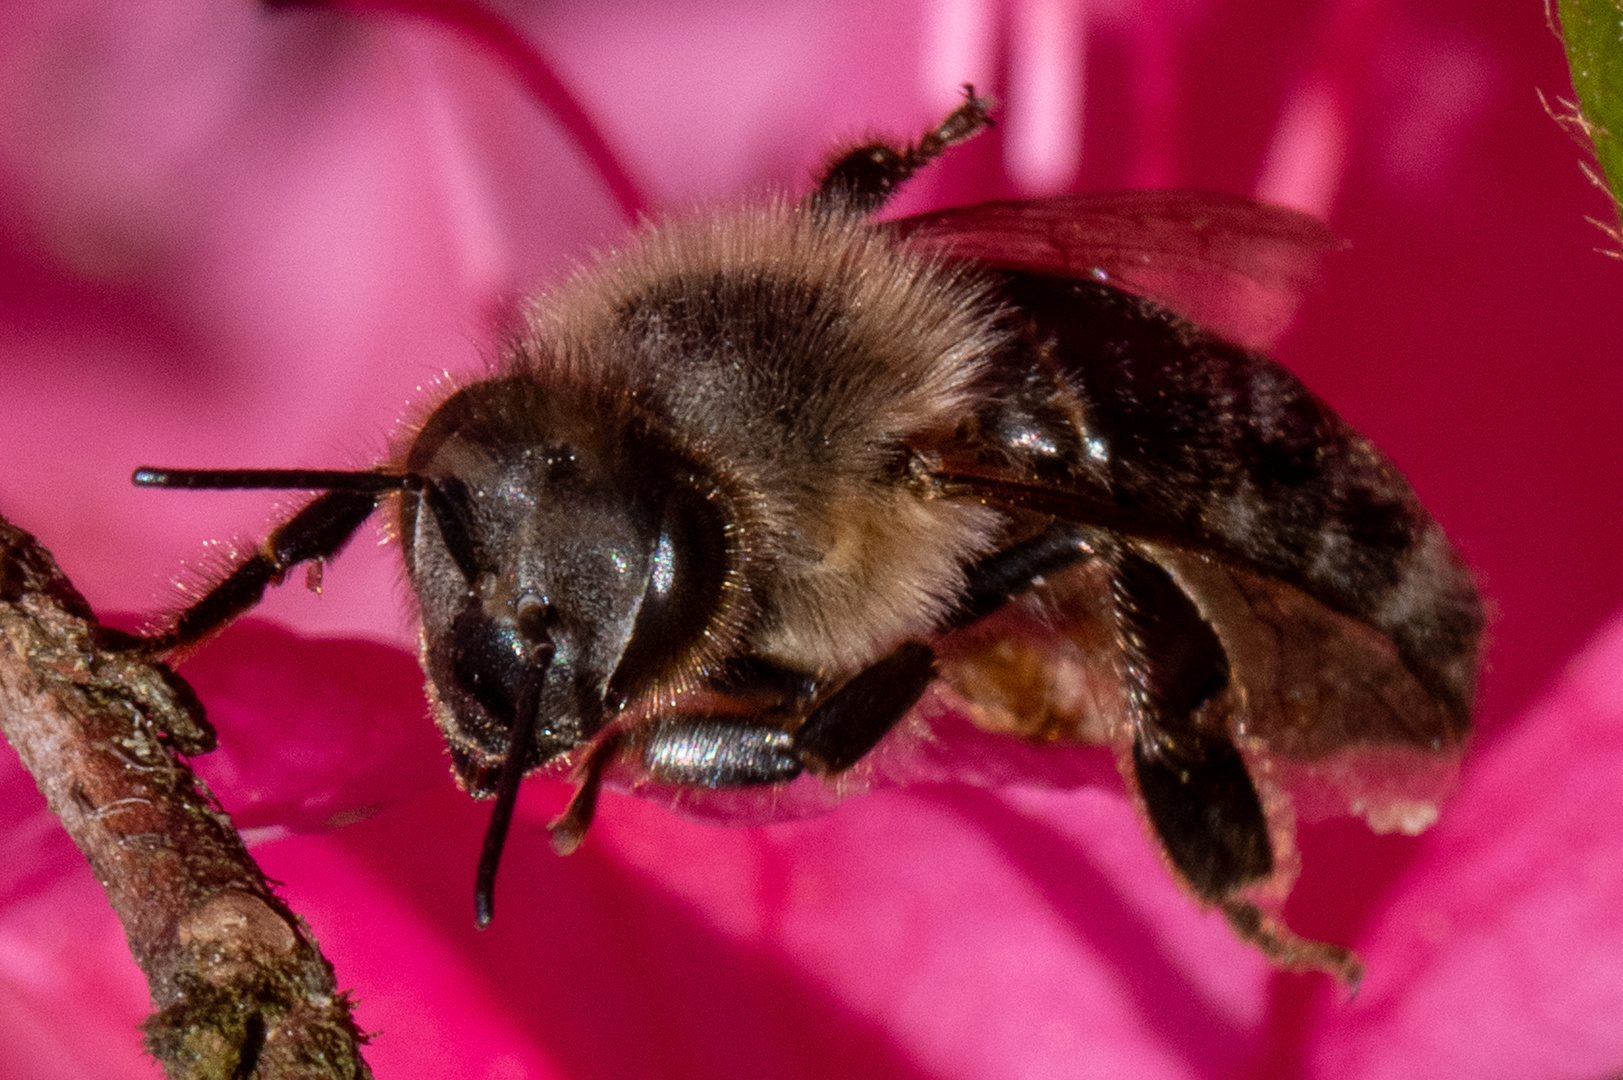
239	987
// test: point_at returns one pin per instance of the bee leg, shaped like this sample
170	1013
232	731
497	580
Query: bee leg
851	722
727	752
1195	784
568	829
765	686
1286	949
856	716
319	531
731	751
1000	577
719	752
1196	788
865	177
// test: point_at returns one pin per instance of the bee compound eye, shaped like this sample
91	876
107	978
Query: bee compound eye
687	569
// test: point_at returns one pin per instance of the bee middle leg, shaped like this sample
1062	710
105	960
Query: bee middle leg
733	751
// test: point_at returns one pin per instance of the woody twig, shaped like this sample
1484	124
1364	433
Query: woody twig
239	987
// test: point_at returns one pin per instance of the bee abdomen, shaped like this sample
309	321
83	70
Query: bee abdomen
1211	446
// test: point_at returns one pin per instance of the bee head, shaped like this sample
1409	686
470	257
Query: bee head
557	559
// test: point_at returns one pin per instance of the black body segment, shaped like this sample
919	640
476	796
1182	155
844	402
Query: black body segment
1176	664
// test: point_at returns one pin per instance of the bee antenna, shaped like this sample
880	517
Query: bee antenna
278	479
519	746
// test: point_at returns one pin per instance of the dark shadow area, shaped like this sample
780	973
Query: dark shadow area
41	295
1347	873
313	732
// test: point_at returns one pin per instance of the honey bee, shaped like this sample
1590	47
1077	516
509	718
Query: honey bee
774	485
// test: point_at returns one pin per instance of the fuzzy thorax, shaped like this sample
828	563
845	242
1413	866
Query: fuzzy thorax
797	357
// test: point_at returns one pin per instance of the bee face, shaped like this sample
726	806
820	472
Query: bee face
545	545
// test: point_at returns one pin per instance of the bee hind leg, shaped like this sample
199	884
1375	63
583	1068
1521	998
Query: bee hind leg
1195	785
1196	788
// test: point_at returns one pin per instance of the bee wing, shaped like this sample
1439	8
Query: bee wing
1341	719
1235	266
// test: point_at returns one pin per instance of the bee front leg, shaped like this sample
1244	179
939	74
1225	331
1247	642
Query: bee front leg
568	829
319	531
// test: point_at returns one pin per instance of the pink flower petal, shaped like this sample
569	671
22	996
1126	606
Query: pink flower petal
312	733
1501	953
1003	942
70	996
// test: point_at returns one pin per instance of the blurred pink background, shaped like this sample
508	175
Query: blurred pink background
237	237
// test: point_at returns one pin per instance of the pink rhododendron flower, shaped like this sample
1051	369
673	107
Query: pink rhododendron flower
231	236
